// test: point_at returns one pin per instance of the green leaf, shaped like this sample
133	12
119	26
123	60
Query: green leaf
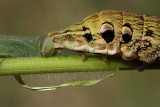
76	83
18	47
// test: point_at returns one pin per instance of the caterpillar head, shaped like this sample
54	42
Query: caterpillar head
45	45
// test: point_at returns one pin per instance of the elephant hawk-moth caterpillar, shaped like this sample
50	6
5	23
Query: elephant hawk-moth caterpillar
109	32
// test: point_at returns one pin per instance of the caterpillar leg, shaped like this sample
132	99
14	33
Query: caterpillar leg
141	67
83	56
57	51
104	58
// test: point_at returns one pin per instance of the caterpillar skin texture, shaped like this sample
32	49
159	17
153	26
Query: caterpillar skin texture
109	32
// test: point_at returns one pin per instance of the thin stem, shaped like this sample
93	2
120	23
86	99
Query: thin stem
19	66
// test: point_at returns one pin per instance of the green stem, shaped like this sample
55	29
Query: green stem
17	66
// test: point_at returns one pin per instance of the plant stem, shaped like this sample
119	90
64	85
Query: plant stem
17	66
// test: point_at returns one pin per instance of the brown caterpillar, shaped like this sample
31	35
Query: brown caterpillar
109	32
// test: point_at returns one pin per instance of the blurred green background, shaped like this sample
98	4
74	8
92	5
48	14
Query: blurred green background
32	18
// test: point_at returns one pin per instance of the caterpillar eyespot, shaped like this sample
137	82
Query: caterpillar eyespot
126	34
109	32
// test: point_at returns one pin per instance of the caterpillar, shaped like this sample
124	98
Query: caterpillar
109	32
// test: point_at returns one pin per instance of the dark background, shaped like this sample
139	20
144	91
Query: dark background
32	18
